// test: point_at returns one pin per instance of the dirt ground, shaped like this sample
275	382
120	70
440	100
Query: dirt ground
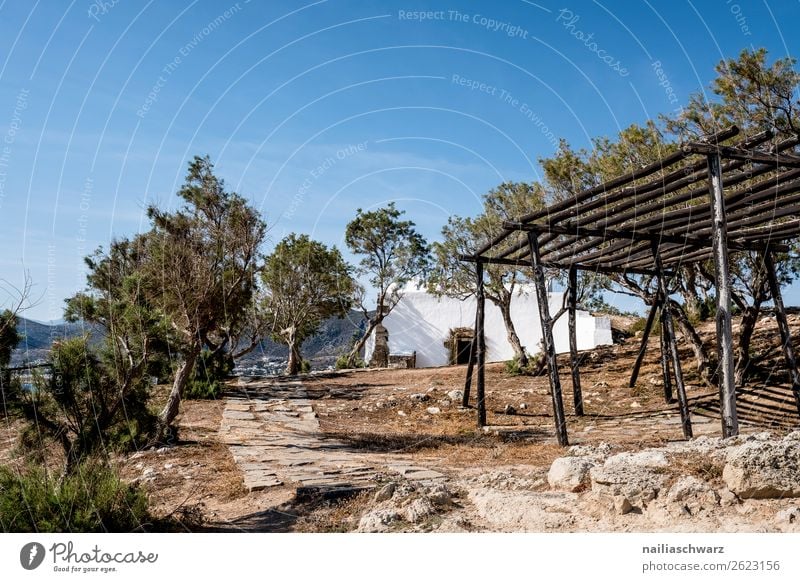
196	479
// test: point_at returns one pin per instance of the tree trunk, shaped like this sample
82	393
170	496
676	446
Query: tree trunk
742	355
694	341
172	406
511	333
352	357
295	359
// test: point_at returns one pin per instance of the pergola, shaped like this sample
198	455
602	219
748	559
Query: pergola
700	202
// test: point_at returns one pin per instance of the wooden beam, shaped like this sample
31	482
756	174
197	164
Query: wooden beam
649	199
669	329
480	332
624	234
525	262
473	350
572	307
733	153
783	326
547	339
643	347
727	387
665	364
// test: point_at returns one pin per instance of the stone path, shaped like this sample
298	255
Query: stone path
275	438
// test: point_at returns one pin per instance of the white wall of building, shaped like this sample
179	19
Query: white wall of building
422	322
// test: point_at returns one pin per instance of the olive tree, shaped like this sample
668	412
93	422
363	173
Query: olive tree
304	283
391	254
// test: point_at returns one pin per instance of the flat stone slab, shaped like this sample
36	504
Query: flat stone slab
233	414
274	436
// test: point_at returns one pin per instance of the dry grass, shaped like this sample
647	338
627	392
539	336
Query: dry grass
697	465
336	516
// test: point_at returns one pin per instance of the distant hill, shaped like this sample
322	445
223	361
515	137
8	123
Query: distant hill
333	339
38	337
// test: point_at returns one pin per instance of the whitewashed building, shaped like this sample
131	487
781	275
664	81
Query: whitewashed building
438	330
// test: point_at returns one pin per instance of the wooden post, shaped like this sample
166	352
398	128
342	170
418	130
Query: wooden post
572	299
783	326
473	348
643	348
668	329
480	348
665	364
719	227
547	339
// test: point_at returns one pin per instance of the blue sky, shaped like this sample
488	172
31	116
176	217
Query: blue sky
314	109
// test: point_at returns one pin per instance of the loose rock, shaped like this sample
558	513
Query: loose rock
762	469
455	395
569	473
791	515
418	510
385	493
378	520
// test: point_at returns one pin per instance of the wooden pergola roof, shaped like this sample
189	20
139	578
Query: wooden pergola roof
612	227
698	203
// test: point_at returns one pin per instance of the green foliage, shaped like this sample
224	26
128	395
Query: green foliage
515	368
83	406
748	92
210	373
305	282
91	499
391	251
201	270
305	366
454	278
343	362
640	324
701	310
9	338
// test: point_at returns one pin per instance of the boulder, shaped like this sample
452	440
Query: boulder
637	476
439	495
569	473
622	505
688	488
419	397
377	521
762	469
418	510
727	498
455	395
385	493
433	410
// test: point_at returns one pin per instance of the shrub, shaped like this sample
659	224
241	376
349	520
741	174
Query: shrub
514	368
342	363
91	499
209	377
305	367
640	324
86	404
